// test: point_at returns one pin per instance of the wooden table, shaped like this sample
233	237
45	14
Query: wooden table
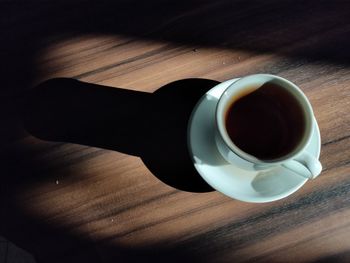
119	186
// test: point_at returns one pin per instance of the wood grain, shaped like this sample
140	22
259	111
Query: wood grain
66	202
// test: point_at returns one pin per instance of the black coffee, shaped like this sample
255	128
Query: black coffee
267	123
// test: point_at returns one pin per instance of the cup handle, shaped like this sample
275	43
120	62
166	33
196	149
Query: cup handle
305	165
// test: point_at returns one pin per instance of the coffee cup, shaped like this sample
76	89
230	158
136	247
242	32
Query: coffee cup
265	121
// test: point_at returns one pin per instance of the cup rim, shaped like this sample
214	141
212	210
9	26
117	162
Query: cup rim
240	86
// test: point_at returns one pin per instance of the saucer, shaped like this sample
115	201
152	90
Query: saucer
237	183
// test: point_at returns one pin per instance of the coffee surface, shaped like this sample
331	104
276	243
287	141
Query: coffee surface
267	123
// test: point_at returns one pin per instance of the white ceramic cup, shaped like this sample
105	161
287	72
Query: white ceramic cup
298	160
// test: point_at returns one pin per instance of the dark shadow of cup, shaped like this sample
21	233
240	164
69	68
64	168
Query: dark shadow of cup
152	126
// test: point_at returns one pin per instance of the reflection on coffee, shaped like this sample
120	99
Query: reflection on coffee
267	123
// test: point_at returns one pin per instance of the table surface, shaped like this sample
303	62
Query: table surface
107	175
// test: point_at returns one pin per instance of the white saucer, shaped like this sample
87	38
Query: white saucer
249	186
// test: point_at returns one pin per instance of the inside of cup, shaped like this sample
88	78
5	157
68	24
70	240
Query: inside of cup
249	85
